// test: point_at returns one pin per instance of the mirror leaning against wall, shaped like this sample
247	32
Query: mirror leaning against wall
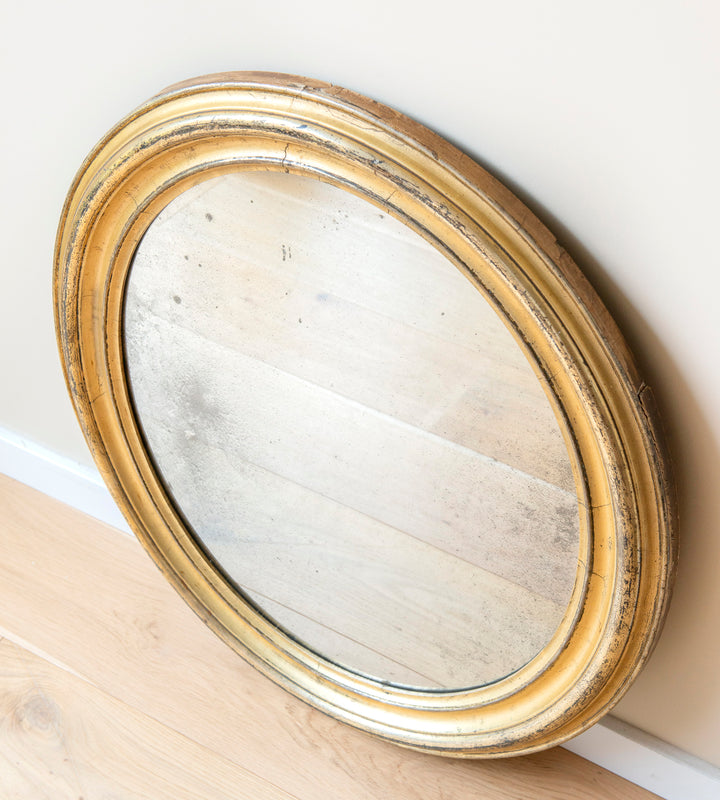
365	414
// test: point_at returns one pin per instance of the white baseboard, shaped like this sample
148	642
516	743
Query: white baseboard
627	751
649	762
75	484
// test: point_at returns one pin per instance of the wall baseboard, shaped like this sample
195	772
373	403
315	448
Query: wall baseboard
68	481
627	751
647	761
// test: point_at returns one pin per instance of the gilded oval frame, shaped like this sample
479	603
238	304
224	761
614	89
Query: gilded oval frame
233	121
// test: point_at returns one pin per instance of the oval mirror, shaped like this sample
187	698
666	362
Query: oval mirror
350	430
365	414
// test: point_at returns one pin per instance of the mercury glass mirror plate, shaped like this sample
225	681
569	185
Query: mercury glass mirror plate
351	431
365	414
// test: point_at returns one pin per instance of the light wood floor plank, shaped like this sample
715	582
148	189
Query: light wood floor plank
359	303
506	521
62	738
90	598
435	614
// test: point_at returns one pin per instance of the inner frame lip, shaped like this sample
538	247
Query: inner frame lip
200	175
415	696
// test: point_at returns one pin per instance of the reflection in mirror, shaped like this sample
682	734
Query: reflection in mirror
351	431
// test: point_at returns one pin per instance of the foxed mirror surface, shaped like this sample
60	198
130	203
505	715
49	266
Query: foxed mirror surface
351	431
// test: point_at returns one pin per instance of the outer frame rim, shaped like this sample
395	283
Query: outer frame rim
575	679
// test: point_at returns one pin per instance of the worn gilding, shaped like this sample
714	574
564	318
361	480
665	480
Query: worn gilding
627	550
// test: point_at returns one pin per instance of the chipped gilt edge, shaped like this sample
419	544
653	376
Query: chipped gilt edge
233	121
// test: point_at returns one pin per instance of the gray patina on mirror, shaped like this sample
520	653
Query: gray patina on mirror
351	431
365	414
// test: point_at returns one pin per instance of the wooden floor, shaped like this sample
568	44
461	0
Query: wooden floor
111	687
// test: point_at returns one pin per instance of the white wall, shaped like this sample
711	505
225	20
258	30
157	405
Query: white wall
603	117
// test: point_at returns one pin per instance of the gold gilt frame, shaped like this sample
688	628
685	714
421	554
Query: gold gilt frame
253	121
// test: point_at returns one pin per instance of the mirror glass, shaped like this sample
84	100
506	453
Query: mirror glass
350	431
